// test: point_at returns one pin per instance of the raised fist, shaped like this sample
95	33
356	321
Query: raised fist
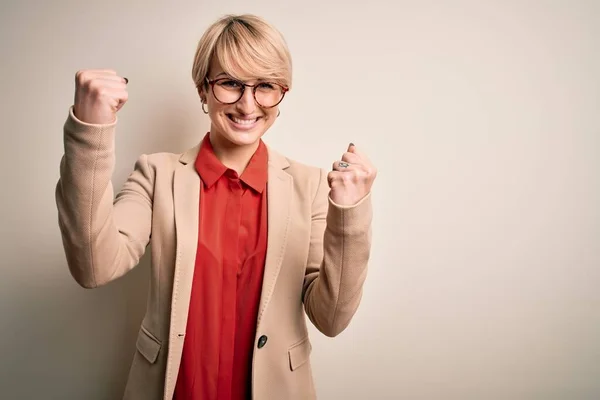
99	94
351	177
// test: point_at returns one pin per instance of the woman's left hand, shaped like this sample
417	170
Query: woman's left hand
351	178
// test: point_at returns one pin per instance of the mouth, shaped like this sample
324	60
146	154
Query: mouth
245	122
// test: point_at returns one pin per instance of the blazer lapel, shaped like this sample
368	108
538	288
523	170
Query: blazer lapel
186	198
279	199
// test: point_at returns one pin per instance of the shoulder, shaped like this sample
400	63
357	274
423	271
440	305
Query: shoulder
297	169
162	159
306	178
304	171
166	161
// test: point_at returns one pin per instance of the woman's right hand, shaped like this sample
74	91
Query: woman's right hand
99	94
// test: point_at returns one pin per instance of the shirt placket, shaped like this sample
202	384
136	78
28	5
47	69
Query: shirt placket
230	266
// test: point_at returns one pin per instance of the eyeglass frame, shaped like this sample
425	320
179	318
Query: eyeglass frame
212	83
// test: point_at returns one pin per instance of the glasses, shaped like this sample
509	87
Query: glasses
229	91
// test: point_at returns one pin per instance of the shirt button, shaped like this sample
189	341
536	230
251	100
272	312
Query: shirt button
262	341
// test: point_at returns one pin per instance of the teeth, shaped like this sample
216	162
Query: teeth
243	121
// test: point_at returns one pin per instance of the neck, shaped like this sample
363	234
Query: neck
231	155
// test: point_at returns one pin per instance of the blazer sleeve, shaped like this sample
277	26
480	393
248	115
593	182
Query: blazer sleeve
103	237
340	245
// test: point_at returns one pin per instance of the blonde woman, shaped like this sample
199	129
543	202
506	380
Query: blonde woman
244	241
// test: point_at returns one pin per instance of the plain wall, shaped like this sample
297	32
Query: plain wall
482	117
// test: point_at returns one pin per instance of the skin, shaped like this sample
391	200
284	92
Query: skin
101	93
234	145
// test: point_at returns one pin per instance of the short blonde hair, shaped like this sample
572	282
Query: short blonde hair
247	47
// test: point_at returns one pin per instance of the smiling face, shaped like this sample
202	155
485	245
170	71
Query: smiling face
242	50
242	123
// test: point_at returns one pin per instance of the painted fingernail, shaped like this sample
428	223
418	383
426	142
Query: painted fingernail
351	144
126	80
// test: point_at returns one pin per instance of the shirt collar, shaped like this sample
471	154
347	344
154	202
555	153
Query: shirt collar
210	168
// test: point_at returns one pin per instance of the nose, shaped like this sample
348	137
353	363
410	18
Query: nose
246	104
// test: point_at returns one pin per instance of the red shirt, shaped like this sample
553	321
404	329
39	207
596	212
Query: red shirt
216	363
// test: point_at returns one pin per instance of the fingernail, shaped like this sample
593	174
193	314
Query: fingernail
126	80
351	144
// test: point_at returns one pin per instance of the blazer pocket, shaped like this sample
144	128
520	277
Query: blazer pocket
148	345
299	353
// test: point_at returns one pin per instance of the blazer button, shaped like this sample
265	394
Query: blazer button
262	341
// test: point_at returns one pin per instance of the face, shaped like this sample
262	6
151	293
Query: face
242	123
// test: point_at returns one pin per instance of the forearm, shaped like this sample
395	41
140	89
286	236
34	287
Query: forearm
333	289
96	250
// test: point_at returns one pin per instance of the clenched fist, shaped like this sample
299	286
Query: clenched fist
351	178
99	94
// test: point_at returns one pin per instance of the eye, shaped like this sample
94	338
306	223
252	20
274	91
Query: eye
230	84
266	86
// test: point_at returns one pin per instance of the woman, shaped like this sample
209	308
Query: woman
244	240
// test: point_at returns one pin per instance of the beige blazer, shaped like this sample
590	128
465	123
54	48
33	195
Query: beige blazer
316	257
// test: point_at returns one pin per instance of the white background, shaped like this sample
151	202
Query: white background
482	117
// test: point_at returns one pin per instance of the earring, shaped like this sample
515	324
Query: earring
203	109
278	113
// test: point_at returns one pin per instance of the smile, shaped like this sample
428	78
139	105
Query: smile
243	121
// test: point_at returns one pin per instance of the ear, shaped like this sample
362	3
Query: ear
201	93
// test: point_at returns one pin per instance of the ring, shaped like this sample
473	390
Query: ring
343	164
